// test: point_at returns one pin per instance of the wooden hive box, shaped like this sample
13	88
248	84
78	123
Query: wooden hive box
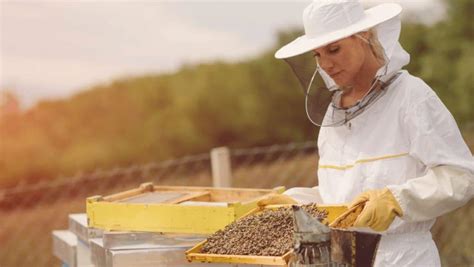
173	209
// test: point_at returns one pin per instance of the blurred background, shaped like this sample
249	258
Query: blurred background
99	96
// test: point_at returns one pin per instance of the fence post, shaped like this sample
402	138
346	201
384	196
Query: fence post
221	170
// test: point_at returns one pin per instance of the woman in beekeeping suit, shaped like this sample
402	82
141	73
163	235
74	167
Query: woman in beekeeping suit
386	139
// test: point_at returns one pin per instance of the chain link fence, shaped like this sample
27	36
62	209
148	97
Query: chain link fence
29	213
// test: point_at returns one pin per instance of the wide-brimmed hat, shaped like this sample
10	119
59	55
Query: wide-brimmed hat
327	21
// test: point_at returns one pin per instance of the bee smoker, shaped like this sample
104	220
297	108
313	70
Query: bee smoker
315	244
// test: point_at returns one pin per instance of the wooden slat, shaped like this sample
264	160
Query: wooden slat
124	194
225	194
194	255
188	197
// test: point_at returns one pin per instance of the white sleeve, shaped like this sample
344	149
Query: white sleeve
442	189
305	195
436	141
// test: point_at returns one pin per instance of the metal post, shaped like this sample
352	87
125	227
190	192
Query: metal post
221	170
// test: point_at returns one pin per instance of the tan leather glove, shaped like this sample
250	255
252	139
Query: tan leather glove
275	199
379	211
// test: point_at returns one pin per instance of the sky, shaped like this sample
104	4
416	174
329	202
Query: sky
54	49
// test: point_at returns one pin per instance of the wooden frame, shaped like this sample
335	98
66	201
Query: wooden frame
194	254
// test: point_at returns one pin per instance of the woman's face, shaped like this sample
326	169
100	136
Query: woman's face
342	60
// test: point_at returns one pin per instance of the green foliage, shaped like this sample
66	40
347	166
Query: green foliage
254	102
443	56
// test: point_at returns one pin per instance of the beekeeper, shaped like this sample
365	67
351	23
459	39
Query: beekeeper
386	139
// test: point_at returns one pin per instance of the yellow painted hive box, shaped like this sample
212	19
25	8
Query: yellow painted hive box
195	254
173	209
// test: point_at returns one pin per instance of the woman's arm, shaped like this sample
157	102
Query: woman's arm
305	195
441	190
448	182
436	141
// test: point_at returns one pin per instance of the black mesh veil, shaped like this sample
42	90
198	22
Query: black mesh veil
317	95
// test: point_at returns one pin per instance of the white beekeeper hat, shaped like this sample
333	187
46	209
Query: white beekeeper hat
326	21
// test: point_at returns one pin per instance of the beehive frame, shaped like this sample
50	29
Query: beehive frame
194	254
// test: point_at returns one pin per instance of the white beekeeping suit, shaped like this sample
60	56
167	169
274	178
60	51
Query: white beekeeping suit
408	142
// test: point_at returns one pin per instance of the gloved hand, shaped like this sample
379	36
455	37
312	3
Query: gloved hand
275	199
379	211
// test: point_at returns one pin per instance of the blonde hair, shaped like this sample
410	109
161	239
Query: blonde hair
376	46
